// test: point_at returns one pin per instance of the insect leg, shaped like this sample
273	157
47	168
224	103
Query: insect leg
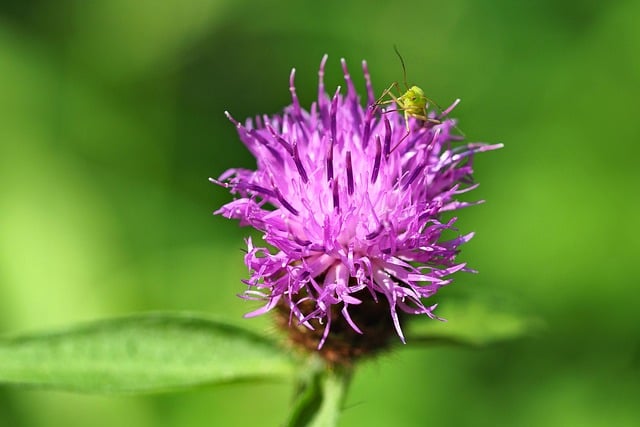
388	91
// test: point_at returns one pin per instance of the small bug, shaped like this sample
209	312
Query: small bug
414	103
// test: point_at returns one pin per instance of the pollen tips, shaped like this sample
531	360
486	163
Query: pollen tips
232	120
323	62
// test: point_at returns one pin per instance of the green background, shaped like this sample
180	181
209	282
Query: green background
111	121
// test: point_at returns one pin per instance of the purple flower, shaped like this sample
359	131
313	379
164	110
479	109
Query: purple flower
351	206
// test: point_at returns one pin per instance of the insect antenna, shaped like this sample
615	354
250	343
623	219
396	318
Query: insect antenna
404	69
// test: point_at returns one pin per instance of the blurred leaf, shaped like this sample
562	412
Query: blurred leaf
141	353
471	324
321	397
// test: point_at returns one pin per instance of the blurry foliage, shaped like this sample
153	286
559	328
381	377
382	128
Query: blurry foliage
112	120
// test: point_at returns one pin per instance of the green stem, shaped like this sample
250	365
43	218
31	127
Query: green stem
320	396
334	392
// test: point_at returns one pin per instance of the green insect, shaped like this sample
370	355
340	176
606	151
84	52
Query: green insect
414	103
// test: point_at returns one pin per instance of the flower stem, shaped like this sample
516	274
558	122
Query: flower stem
321	395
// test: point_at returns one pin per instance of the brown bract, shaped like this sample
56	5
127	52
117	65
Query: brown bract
343	345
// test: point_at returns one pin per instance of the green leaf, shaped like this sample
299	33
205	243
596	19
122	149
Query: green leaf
471	324
320	396
142	353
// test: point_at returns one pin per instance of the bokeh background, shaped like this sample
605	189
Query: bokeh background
111	121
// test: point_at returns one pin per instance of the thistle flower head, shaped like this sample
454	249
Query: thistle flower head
351	207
